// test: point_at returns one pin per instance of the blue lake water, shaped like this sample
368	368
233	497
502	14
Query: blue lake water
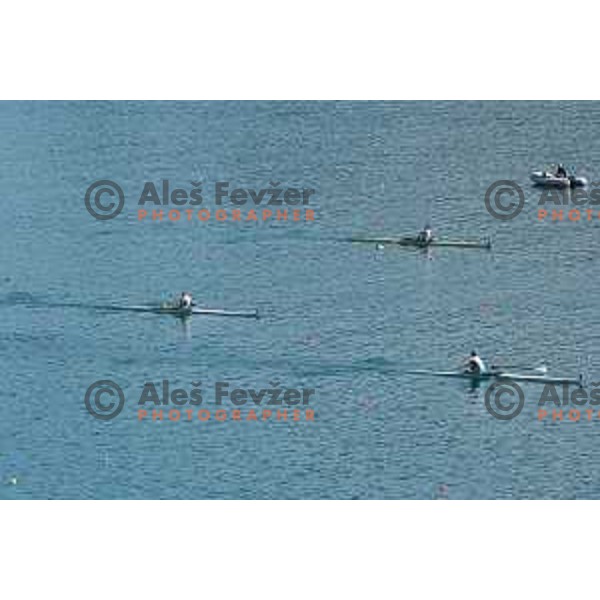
345	319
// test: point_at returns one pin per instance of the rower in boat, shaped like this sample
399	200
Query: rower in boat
425	237
185	301
475	365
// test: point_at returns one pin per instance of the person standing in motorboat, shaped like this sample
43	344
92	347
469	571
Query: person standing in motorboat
425	237
561	171
474	364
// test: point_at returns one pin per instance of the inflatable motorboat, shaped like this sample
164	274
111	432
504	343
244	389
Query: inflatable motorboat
548	179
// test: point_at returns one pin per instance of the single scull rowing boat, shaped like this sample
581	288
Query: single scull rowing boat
184	312
500	375
407	240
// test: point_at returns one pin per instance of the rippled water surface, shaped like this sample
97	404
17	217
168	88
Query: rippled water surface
348	320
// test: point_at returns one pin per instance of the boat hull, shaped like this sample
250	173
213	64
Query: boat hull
503	376
414	243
